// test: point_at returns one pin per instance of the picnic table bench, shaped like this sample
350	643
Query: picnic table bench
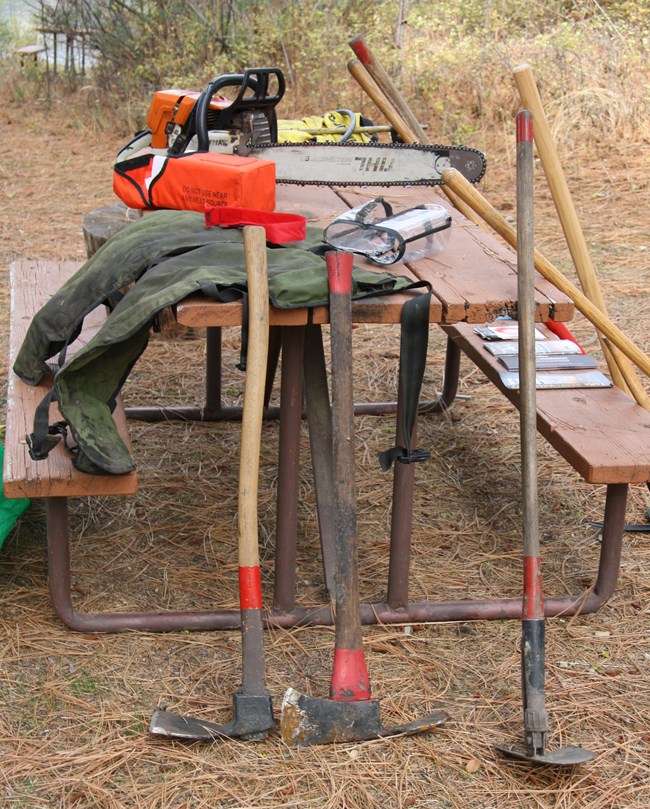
605	436
54	478
601	433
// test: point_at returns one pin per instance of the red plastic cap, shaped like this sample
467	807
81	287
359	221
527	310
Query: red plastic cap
562	331
339	272
524	126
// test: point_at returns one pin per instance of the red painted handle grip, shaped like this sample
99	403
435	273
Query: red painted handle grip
533	602
524	126
361	50
350	681
250	588
339	272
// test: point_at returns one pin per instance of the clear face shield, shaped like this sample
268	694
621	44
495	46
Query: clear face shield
372	230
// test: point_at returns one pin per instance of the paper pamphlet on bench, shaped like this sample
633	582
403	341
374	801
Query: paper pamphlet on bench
505	331
511	347
553	362
562	379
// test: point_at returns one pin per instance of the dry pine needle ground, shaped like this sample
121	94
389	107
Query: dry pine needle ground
75	707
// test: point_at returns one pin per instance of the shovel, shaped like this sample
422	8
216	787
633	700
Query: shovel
532	625
252	709
349	714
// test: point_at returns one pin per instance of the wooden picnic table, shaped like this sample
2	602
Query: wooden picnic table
601	432
473	281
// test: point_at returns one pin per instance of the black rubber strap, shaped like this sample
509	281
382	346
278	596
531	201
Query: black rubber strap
45	436
414	343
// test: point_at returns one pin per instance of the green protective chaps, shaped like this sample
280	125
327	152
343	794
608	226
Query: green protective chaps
167	255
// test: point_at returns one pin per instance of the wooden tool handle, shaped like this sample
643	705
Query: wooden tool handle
530	98
253	410
526	319
619	366
350	679
380	75
339	276
482	207
376	95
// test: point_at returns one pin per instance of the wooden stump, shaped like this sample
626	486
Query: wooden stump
102	223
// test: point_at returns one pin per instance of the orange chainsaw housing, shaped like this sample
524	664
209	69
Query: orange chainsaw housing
172	107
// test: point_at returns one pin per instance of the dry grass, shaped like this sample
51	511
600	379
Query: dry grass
75	707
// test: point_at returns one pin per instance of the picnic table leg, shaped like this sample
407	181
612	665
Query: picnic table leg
212	372
449	383
275	346
401	524
443	402
214	409
60	580
319	420
591	600
291	396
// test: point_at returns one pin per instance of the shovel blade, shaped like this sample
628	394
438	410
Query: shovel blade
564	757
315	720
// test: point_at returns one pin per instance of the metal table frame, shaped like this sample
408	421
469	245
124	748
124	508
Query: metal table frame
285	611
471	286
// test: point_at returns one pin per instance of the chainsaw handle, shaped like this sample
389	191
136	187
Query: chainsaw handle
199	112
255	79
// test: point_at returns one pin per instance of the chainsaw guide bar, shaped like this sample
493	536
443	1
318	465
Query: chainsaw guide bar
350	163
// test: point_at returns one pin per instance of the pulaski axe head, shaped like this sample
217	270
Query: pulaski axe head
316	720
252	719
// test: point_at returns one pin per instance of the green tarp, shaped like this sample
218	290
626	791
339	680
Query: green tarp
10	510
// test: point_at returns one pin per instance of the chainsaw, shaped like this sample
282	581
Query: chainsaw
247	125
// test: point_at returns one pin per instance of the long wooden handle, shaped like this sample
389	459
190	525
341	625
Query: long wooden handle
379	99
619	366
530	98
526	320
250	579
348	625
375	68
386	107
253	410
349	679
489	214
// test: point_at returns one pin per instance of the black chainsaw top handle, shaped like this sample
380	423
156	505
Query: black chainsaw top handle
253	95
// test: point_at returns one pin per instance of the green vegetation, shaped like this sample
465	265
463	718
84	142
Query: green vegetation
449	58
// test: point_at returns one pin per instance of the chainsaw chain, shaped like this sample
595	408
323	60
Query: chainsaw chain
434	147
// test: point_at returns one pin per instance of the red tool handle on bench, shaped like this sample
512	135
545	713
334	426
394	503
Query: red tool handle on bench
561	330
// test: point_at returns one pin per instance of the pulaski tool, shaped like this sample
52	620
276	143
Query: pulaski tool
532	625
253	713
349	714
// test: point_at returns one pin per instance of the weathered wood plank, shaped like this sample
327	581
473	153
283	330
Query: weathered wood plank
601	432
31	283
474	278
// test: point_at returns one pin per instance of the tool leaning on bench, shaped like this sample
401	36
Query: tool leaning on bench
602	433
605	436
